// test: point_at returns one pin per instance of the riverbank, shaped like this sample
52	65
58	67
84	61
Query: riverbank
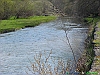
87	58
16	24
95	69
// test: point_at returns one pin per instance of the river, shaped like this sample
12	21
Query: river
17	49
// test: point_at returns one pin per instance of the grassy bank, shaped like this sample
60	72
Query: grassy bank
15	24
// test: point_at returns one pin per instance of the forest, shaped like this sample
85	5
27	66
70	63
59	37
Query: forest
78	7
26	8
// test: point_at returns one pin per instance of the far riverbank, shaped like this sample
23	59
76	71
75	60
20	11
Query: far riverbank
16	24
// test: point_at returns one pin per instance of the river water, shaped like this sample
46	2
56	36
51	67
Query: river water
17	49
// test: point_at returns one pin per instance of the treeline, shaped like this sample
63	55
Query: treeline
26	8
23	8
67	7
78	7
88	7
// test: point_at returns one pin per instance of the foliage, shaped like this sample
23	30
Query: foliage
88	7
26	8
78	7
23	8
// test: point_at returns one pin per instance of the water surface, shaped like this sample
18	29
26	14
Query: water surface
18	48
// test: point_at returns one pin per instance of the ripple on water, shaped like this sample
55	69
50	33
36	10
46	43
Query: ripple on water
18	48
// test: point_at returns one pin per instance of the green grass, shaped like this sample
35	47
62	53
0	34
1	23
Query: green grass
92	20
15	24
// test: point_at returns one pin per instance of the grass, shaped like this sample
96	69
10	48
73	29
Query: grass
15	24
90	19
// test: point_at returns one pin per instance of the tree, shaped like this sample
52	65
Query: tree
6	9
23	8
88	7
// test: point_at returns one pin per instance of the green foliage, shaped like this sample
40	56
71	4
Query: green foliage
92	20
15	24
12	18
88	20
96	19
23	8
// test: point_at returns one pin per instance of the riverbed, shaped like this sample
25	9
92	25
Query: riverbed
17	49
